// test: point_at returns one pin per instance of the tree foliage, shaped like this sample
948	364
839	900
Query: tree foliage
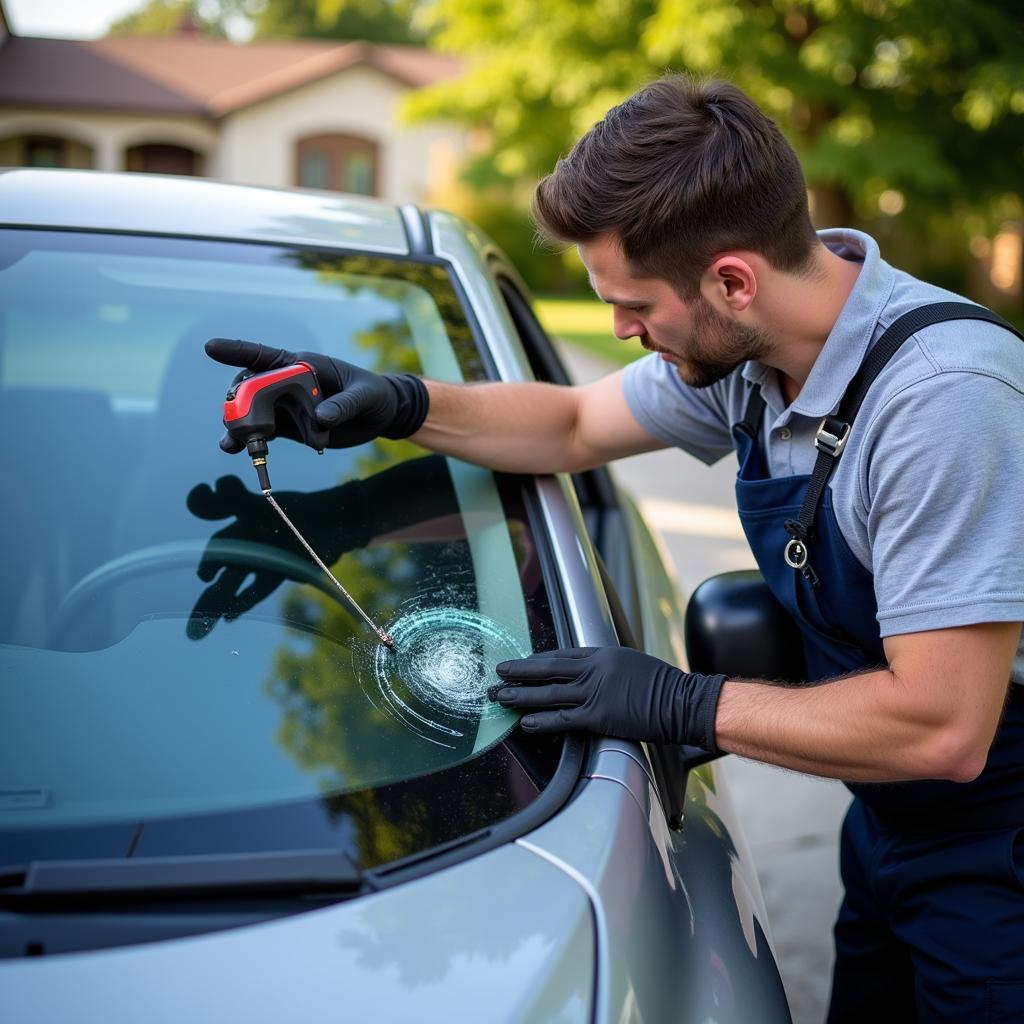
378	21
168	17
895	106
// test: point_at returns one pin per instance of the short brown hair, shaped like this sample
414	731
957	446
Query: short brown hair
680	172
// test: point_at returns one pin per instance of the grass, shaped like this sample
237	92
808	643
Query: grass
587	323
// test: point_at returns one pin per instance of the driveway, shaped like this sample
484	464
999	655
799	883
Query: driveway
791	820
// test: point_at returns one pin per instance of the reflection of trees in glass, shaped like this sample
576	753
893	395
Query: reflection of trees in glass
328	725
391	279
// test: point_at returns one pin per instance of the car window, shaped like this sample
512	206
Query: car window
121	699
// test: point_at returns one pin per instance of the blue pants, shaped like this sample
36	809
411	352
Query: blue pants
932	925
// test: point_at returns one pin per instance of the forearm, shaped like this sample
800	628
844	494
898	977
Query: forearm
859	728
512	427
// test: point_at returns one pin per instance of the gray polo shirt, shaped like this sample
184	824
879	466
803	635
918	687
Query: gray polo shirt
929	493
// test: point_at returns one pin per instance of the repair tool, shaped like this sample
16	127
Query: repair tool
250	411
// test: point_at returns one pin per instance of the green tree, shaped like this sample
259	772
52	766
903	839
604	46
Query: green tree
377	21
909	107
168	17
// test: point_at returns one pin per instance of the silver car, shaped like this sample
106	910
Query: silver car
219	797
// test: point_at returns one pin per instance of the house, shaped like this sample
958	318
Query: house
316	113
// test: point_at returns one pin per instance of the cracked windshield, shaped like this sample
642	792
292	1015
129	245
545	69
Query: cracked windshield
169	647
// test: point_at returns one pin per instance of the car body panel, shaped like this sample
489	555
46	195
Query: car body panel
429	951
704	788
680	935
155	204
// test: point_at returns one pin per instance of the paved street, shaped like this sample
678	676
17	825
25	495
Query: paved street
791	820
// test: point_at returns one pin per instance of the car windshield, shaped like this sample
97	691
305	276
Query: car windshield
168	650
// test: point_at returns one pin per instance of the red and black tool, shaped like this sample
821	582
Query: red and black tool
253	408
255	403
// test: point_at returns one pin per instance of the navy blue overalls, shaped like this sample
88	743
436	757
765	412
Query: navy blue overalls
932	924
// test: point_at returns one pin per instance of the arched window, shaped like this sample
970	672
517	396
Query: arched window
44	151
344	163
162	158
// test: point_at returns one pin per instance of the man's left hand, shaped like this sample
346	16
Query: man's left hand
613	691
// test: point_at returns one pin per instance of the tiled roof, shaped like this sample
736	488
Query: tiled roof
190	75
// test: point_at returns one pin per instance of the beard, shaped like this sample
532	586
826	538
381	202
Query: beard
717	346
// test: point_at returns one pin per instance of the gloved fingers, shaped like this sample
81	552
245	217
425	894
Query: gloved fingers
263	586
231	445
342	407
223	600
212	561
210	606
298	425
553	721
567	663
208	568
250	354
200	502
218	502
220	594
328	370
199	626
554	695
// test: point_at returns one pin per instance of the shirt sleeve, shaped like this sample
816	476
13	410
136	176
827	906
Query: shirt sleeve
942	478
695	420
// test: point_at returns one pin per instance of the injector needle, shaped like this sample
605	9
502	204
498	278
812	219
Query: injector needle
250	411
383	637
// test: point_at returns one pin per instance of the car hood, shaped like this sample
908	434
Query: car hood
502	937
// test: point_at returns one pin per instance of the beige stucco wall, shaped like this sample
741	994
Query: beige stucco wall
108	135
258	143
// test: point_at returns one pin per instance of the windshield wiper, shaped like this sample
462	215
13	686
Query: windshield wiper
217	876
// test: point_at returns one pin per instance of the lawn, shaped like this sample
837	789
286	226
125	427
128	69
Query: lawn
587	323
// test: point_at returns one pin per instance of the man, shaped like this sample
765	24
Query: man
901	557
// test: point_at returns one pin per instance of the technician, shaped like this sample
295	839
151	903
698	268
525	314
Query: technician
879	427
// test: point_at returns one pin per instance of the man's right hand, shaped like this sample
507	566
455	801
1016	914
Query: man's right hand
358	405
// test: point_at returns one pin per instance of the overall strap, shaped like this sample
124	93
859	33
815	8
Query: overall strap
834	431
753	414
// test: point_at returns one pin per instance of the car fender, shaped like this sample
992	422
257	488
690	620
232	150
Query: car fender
681	933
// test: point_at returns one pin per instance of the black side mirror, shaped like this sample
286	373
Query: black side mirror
735	625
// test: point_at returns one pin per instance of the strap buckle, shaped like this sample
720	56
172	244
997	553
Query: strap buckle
831	436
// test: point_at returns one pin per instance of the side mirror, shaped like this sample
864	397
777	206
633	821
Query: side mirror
735	625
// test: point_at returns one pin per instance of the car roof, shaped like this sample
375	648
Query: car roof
175	205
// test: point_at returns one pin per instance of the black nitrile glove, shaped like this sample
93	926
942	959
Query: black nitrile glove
333	521
612	691
358	405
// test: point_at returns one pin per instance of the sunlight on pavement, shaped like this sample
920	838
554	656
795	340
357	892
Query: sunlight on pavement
687	518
